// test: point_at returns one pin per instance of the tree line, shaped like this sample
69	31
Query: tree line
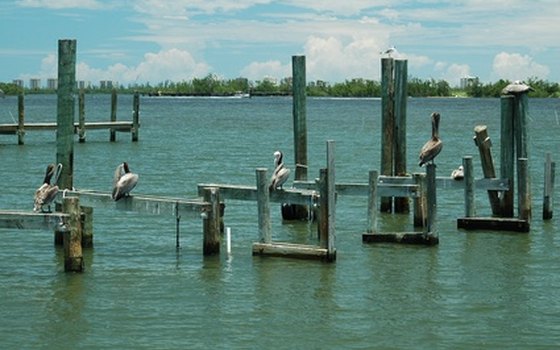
211	85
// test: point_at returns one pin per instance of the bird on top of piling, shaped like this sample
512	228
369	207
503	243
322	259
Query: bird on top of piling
123	181
458	174
45	194
431	148
390	51
281	172
517	87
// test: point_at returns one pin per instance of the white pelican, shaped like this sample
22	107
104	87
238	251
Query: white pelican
389	51
280	174
458	174
515	88
45	194
123	181
432	148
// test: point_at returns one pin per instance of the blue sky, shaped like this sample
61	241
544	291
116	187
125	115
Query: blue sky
139	41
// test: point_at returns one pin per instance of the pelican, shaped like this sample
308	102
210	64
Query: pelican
123	181
45	194
517	87
432	148
389	51
280	174
458	174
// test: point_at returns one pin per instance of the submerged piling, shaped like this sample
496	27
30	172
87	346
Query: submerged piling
548	192
73	257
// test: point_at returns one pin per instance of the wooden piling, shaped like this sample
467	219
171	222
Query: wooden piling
420	202
135	116
402	204
73	257
327	240
484	143
263	207
65	111
86	222
431	229
387	126
372	202
523	190
507	154
113	132
211	223
81	117
548	192
21	120
470	210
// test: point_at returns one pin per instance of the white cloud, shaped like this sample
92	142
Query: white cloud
61	4
514	66
270	69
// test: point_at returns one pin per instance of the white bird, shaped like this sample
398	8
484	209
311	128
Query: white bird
123	181
434	145
389	51
458	174
281	172
45	194
517	87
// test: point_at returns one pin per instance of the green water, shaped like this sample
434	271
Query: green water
474	290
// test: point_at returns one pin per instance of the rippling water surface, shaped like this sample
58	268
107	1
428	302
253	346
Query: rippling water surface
474	290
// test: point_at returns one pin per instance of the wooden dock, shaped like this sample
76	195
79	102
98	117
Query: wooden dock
29	220
14	129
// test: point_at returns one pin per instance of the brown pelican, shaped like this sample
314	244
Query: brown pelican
432	148
45	194
515	88
458	174
123	181
280	174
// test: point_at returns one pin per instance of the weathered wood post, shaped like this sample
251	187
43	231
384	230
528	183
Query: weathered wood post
372	201
81	117
387	126
521	108
331	205
401	94
507	154
21	119
73	257
420	202
523	190
484	143
211	224
65	111
431	229
86	222
263	207
113	132
470	210
548	192
135	116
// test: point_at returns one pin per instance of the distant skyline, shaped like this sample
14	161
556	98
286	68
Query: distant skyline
151	41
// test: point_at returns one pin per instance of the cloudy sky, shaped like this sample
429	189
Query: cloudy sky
139	41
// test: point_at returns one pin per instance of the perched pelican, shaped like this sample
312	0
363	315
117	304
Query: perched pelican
458	174
389	51
515	88
45	194
280	174
123	181
432	148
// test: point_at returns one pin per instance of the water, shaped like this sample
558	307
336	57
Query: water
474	290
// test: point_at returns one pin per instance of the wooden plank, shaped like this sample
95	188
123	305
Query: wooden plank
495	224
155	205
249	193
123	126
484	143
29	220
401	237
289	250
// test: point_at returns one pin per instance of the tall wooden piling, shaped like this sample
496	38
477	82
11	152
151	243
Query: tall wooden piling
211	223
65	111
86	222
387	126
73	257
470	210
263	207
21	119
372	201
401	94
548	192
135	116
523	190
484	143
507	154
113	132
81	117
431	228
327	241
420	202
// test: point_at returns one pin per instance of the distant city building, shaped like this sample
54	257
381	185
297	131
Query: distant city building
18	82
106	84
34	83
82	84
52	83
468	81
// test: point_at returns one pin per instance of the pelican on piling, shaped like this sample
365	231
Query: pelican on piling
517	87
45	194
432	148
123	181
281	172
389	51
458	174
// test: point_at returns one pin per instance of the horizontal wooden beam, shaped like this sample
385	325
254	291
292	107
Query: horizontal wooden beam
290	250
497	224
401	237
249	193
12	129
155	205
29	220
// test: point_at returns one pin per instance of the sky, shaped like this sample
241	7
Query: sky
153	41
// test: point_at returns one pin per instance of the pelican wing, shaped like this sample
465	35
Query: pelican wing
124	185
279	177
430	150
